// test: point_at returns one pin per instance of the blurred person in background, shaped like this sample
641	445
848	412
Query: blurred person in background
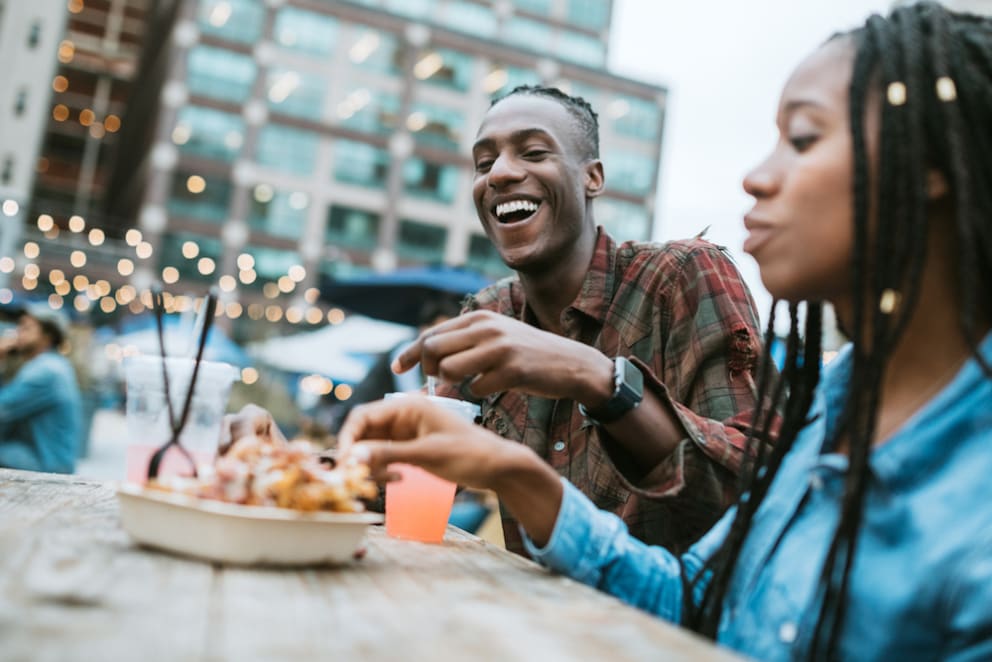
40	403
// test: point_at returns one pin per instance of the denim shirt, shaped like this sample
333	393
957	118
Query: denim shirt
921	584
41	408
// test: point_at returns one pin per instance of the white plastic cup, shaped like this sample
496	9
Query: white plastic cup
147	414
419	504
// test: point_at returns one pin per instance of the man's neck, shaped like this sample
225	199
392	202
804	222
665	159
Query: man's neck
552	290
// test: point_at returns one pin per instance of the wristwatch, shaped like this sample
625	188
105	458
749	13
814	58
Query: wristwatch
628	391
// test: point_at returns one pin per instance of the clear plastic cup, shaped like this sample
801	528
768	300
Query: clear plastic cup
419	504
147	415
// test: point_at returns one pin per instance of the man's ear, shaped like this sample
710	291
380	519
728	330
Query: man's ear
595	180
936	185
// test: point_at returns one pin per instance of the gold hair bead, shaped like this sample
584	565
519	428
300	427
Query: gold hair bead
889	301
946	89
896	93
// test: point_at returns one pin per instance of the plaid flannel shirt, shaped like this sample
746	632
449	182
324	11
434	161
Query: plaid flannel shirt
682	314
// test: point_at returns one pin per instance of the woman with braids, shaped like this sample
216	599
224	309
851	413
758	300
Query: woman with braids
866	531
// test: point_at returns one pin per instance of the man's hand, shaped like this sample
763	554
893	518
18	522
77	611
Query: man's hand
500	353
414	430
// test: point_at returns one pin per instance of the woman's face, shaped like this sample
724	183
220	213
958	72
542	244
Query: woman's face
800	228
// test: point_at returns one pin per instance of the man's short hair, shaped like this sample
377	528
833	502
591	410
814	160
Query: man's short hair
580	109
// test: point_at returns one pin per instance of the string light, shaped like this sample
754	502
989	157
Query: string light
125	267
190	249
77	259
77	223
31	250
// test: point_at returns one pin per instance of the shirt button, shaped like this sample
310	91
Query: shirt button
816	482
787	633
559	446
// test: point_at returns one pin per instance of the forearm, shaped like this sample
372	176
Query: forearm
530	489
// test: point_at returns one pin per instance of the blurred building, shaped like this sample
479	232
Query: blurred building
335	136
29	34
263	144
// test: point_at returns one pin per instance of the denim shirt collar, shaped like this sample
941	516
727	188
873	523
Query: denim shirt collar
909	453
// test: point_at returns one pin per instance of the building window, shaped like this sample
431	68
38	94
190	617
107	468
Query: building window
375	50
501	79
470	17
369	110
623	220
278	213
7	172
420	242
206	201
447	68
636	118
208	133
34	34
20	101
305	31
413	8
287	150
528	34
171	255
234	20
295	93
220	74
590	14
581	48
360	163
629	172
430	180
272	263
352	228
484	258
435	126
540	7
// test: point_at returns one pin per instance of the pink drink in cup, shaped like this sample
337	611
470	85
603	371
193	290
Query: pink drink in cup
419	504
148	419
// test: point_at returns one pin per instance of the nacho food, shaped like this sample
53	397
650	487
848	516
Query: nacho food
284	475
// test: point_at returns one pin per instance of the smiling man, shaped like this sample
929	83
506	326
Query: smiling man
630	367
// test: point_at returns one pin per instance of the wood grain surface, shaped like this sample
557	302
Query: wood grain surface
74	587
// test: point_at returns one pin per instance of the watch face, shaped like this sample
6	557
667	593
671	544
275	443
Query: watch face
629	376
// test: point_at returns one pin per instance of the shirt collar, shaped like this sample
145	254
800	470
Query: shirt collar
596	293
924	439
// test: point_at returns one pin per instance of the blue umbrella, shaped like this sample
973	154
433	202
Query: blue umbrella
400	295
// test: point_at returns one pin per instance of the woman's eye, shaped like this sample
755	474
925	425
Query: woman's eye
802	143
483	165
535	153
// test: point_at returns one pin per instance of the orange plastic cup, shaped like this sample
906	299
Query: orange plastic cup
418	506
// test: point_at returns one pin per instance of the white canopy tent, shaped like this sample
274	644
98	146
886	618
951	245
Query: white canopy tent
334	351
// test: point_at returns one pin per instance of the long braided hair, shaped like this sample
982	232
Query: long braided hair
932	71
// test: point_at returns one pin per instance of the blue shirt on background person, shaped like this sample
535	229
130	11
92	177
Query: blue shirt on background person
40	406
921	585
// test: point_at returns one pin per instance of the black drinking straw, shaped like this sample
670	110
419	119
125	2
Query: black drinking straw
177	426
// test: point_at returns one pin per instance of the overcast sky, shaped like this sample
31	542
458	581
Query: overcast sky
724	63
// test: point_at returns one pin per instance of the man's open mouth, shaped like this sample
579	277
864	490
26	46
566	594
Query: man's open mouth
515	211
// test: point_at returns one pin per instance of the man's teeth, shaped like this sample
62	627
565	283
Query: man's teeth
515	206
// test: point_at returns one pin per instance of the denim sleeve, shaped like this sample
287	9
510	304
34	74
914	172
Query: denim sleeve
967	597
30	391
595	548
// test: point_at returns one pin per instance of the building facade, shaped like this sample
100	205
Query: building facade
331	138
29	35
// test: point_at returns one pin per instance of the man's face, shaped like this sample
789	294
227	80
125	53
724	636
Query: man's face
533	182
30	335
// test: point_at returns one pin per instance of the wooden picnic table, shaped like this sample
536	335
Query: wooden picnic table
73	586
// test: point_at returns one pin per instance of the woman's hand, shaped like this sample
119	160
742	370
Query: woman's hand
251	421
413	430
